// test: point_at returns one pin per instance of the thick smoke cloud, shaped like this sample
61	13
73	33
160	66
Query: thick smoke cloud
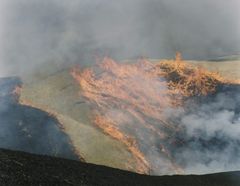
211	133
55	31
61	31
200	136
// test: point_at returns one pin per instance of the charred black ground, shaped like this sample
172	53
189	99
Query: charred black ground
24	169
29	129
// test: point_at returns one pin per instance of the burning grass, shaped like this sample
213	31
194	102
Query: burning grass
109	128
129	100
187	80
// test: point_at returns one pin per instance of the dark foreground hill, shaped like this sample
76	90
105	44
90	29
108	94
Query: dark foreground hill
24	169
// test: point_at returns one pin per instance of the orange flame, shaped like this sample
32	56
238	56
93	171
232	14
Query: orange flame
142	91
110	129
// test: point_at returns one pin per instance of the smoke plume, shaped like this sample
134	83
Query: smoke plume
40	32
53	31
211	133
169	123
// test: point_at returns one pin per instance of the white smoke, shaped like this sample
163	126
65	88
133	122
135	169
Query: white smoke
62	31
212	130
57	31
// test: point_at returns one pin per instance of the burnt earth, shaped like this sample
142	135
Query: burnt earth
29	129
24	169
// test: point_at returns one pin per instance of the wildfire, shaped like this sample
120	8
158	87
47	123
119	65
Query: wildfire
187	80
129	100
17	92
110	129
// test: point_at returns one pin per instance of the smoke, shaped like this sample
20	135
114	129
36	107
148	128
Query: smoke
211	134
198	135
207	142
29	129
59	31
40	32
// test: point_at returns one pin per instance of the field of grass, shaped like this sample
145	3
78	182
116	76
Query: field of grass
228	69
52	88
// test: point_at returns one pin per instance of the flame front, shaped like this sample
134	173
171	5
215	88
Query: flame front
129	99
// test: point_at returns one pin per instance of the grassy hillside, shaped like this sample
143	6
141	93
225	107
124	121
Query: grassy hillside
52	88
229	69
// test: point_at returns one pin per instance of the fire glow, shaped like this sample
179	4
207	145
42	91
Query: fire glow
129	99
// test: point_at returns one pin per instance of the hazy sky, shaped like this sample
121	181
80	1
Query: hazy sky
36	31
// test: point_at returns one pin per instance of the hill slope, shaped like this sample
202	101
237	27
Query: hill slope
52	89
29	129
23	169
